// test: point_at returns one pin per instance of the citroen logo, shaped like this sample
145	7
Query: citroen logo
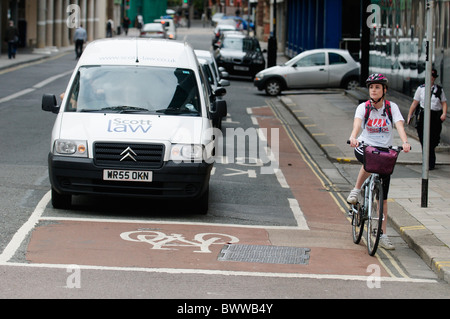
128	153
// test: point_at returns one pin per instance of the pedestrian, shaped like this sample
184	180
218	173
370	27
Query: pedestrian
12	38
126	24
80	37
377	130
109	28
438	115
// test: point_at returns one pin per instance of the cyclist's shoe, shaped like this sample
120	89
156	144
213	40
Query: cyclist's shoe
353	197
385	243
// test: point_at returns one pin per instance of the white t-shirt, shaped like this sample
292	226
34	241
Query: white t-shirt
378	130
435	101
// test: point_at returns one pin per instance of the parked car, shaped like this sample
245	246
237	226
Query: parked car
220	72
216	89
240	54
169	25
153	30
216	18
320	68
219	30
239	22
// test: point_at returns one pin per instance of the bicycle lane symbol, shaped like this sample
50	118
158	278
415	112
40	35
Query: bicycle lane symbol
161	241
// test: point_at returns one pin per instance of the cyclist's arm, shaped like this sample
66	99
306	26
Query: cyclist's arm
355	131
401	132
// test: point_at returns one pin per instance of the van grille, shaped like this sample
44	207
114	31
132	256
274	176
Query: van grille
129	155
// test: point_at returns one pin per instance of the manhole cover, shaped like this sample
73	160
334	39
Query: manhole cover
265	254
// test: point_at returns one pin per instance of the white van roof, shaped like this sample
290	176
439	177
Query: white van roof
139	51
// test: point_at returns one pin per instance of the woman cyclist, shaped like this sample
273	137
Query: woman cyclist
377	130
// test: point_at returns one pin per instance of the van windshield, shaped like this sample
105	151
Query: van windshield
131	89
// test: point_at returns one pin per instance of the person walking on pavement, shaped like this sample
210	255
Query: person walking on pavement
438	115
12	38
377	130
109	28
80	37
126	24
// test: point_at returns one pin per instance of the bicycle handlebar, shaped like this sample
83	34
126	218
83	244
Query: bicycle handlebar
398	148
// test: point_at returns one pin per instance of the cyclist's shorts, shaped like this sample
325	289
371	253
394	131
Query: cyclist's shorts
385	179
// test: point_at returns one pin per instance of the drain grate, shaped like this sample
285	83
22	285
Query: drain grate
265	254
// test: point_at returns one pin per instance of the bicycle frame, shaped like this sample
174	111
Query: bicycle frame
364	211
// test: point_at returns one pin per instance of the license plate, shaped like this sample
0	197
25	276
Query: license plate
241	68
127	176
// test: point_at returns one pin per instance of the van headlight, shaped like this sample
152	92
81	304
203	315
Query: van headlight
71	148
186	152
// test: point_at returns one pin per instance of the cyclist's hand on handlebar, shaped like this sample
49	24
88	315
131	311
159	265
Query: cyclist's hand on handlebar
406	147
353	142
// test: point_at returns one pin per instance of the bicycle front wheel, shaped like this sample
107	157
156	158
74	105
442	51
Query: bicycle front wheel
375	218
357	223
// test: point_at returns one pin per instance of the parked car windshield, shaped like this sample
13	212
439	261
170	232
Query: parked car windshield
130	89
240	44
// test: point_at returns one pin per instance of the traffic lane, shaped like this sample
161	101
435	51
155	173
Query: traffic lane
316	202
181	246
329	236
19	282
28	75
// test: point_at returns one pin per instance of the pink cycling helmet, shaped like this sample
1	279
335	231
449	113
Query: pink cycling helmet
377	78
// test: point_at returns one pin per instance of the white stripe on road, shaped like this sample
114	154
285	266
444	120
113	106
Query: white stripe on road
26	228
36	86
226	273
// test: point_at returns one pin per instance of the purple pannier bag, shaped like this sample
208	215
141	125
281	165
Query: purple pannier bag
379	160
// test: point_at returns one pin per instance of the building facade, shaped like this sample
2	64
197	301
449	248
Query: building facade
47	24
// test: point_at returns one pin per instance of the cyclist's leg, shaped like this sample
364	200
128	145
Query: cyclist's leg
384	240
362	176
385	181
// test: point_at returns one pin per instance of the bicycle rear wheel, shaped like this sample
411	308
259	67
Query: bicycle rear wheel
375	218
357	224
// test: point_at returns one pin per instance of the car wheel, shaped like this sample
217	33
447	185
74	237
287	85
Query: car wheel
60	201
273	87
352	84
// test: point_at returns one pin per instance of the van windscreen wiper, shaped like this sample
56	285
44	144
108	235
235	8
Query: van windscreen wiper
125	109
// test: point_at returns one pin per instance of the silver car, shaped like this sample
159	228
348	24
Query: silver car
320	68
153	30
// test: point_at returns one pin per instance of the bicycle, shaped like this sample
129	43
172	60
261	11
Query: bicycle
370	208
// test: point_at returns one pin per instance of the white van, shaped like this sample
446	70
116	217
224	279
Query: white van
135	120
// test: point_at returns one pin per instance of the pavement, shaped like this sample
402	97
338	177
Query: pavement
425	229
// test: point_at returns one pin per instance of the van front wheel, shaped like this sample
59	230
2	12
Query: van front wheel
61	201
202	203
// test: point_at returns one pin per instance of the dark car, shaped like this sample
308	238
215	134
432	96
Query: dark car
240	54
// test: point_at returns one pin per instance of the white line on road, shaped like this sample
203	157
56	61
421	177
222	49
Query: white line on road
226	273
26	228
36	86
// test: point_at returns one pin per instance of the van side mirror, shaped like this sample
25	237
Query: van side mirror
220	91
223	82
49	103
219	109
